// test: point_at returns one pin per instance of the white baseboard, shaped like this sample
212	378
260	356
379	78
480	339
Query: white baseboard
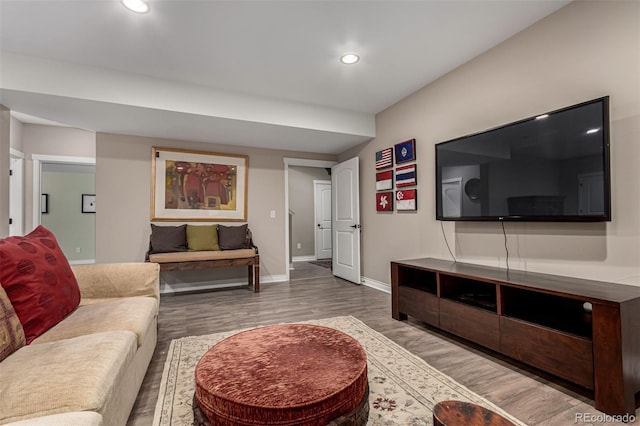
378	285
82	262
304	258
177	288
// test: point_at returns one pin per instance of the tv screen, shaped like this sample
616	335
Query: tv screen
550	167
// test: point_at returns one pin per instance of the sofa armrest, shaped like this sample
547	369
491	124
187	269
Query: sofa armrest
113	280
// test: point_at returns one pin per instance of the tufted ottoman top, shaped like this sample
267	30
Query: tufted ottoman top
291	374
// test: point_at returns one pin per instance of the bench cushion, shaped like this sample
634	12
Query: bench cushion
192	256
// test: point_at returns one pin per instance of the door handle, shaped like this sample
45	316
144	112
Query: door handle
356	226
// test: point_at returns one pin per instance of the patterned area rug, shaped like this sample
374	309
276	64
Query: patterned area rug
403	388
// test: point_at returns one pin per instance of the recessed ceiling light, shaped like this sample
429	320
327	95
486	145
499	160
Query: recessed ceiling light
138	6
540	117
349	58
590	131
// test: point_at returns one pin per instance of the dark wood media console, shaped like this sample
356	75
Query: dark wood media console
538	319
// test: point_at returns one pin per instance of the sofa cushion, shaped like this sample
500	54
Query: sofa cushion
166	239
232	237
131	314
78	374
38	280
197	256
11	332
203	237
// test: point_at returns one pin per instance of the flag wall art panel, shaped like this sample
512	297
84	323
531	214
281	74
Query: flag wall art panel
384	180
405	151
406	175
384	201
384	158
406	200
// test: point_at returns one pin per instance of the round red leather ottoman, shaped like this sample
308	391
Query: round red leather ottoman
291	374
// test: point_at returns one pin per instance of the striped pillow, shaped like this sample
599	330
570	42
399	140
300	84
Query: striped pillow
11	332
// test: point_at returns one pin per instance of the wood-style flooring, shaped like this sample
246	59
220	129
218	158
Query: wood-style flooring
314	293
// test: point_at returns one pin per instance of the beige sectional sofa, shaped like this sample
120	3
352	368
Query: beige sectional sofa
87	369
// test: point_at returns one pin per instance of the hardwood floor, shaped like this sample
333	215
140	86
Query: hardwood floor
314	293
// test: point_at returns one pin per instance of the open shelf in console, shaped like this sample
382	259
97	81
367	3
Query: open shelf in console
556	312
468	291
418	279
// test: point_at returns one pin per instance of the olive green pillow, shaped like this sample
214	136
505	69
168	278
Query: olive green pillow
201	237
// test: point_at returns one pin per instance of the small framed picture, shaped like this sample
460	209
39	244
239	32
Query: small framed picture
88	203
405	151
44	203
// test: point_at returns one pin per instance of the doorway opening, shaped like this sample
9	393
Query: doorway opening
61	188
301	222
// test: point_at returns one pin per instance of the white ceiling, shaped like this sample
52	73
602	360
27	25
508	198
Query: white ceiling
256	73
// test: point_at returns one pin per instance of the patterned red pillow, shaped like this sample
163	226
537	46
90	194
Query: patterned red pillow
38	280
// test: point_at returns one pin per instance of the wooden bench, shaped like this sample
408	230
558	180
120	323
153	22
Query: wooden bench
191	260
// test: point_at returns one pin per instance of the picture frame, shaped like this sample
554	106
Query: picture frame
405	151
384	180
44	203
189	185
88	203
406	200
384	158
384	201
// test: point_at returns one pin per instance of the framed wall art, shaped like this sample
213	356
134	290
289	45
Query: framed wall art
406	175
198	186
44	203
406	200
384	201
405	151
384	180
88	203
384	158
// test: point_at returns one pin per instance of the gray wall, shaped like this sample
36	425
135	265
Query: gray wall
586	50
301	201
123	175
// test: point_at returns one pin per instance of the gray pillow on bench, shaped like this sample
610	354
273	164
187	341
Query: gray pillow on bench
232	237
167	239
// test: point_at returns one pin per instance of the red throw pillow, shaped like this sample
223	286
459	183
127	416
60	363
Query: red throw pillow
38	280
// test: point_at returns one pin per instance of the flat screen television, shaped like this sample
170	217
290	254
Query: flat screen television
550	167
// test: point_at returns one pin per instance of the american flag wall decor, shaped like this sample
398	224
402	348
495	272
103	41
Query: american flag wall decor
384	201
405	151
384	158
406	175
384	180
406	199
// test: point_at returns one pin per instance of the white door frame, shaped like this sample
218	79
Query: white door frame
316	220
38	159
295	162
16	186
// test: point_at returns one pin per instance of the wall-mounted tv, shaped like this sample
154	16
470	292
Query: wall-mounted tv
550	167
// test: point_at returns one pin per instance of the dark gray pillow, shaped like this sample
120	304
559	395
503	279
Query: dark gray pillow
167	239
232	237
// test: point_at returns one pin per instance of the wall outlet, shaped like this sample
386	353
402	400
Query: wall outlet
299	246
78	250
273	214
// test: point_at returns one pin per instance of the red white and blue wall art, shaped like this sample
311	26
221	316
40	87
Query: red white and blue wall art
384	158
405	151
406	175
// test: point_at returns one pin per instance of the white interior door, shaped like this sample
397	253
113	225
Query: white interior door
322	196
346	220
